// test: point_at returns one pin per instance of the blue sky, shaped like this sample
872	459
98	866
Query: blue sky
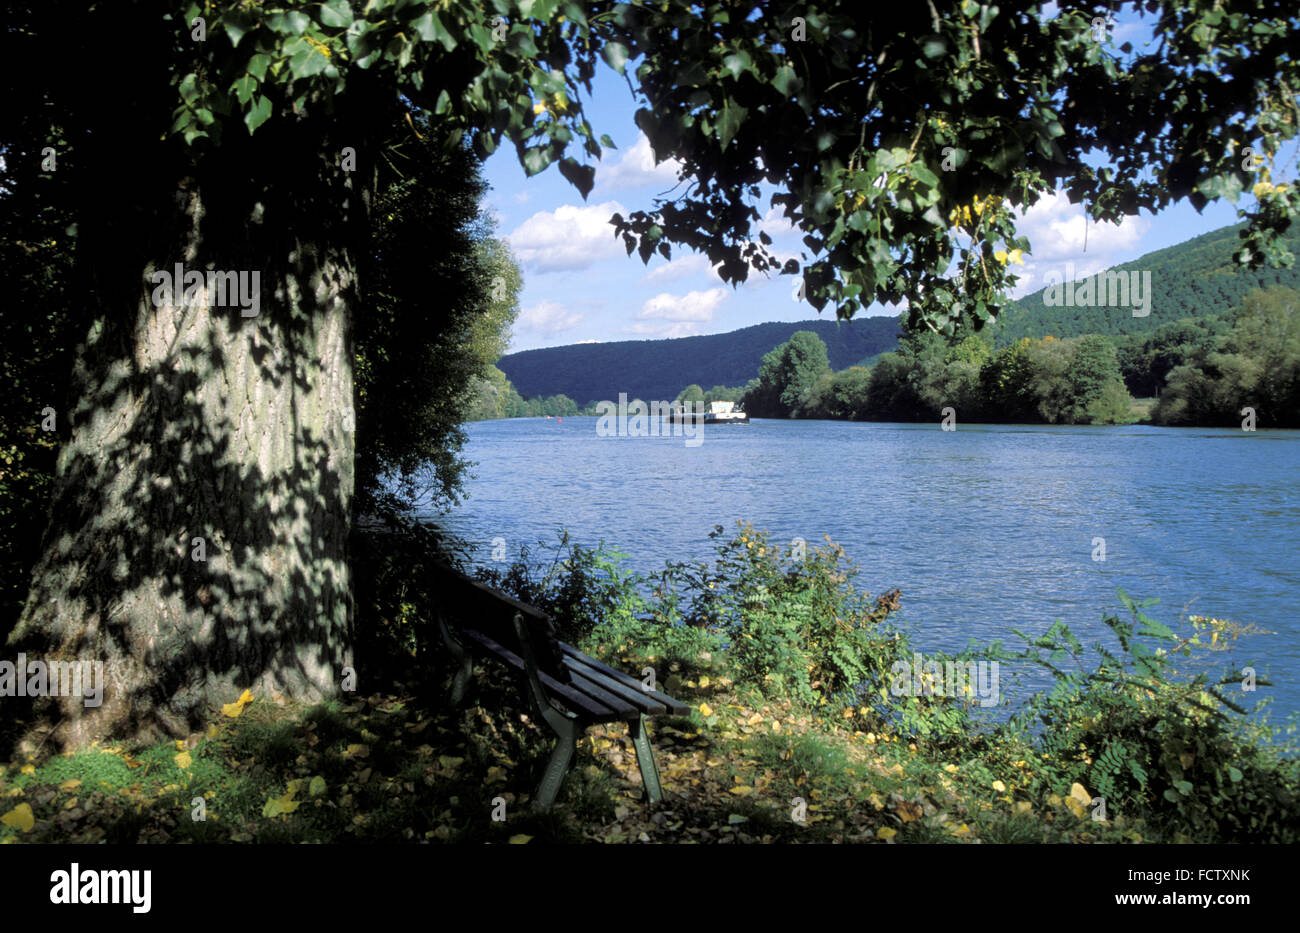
581	286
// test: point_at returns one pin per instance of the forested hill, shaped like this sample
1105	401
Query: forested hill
1190	279
659	369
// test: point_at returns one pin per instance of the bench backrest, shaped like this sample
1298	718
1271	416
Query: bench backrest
471	604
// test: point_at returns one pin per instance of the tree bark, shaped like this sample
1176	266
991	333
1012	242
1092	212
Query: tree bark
198	540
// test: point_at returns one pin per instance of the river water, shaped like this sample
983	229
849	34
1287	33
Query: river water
984	529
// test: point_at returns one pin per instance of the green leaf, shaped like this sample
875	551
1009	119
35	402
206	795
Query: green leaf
1235	774
260	113
787	82
190	88
336	13
582	177
575	12
730	121
535	159
934	46
244	88
924	175
427	26
257	65
738	62
236	23
615	55
607	142
306	61
293	23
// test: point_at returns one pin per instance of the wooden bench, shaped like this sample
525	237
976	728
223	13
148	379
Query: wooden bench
568	689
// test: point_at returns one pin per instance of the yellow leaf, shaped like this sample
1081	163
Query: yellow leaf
742	791
960	831
20	817
70	785
999	787
520	840
28	769
1079	800
278	806
704	681
317	786
951	769
356	751
886	832
182	760
234	709
706	710
1024	806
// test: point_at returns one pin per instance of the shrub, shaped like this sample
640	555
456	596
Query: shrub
1158	744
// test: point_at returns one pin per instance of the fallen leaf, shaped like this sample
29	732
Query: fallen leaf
520	840
886	832
183	760
20	817
706	709
999	787
234	709
277	806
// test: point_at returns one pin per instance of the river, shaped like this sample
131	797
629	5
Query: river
984	529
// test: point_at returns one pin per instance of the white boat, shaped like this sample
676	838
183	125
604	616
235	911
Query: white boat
725	413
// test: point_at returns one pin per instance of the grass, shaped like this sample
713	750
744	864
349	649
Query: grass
392	768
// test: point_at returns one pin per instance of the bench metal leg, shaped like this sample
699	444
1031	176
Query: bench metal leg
566	743
645	757
464	663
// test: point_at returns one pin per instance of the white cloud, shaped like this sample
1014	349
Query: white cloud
570	237
775	223
690	264
667	315
636	169
1055	228
547	317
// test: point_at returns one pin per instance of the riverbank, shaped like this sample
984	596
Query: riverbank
803	728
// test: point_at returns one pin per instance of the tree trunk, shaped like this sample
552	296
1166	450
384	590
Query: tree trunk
198	541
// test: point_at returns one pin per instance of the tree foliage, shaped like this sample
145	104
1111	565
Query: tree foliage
443	292
875	105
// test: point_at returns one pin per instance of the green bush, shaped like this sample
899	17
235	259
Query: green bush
793	623
1159	744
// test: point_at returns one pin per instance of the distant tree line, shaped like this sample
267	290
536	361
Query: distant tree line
1205	371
